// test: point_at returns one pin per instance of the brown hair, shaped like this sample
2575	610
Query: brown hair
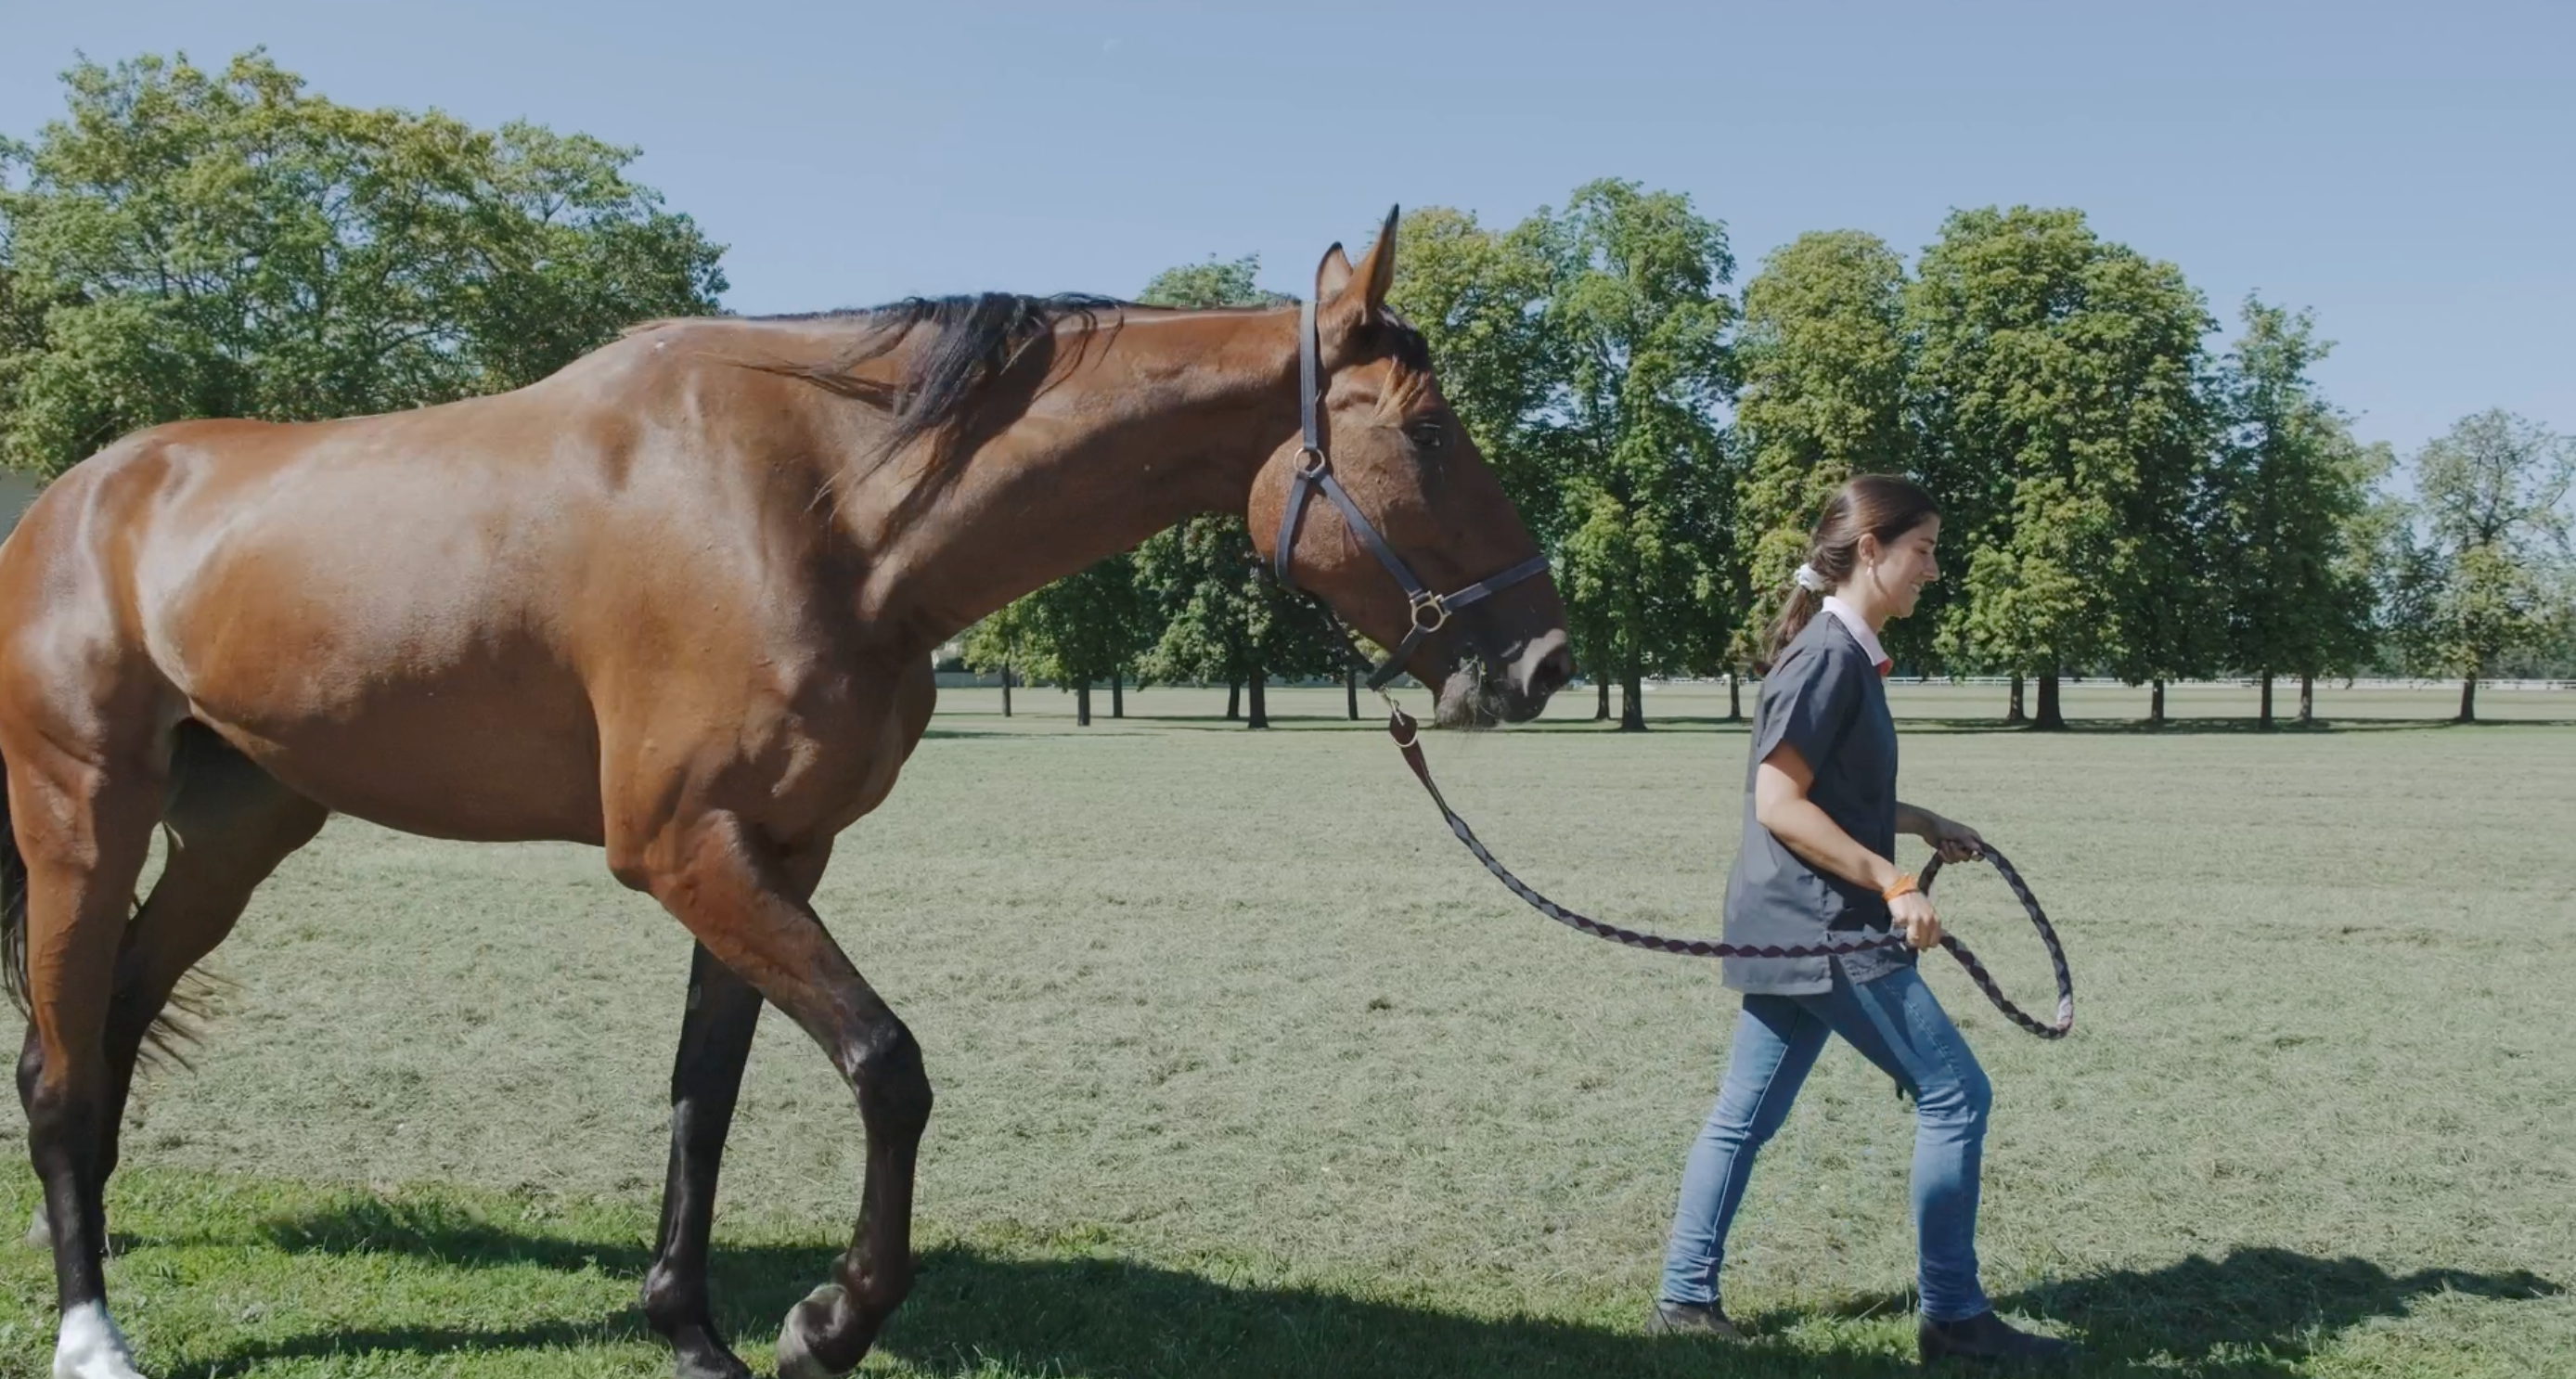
1880	505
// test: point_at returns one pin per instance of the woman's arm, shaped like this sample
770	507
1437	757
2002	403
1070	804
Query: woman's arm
1955	841
1780	804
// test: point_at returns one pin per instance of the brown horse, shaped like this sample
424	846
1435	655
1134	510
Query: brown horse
677	601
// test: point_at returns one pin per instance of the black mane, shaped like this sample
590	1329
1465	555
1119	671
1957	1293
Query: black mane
974	340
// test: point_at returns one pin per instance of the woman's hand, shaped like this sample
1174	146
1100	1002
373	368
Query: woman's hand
1912	913
1955	841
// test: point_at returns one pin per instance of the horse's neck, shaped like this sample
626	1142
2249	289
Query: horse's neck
1173	418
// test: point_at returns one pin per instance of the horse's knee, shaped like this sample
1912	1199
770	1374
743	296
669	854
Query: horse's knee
885	1069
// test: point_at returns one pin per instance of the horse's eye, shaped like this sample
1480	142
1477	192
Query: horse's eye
1428	435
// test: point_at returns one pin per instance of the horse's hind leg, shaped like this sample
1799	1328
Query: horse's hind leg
230	824
83	818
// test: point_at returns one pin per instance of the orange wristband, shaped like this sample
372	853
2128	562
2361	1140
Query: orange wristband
1902	885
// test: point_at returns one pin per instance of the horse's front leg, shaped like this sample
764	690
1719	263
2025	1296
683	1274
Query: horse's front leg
706	1076
746	905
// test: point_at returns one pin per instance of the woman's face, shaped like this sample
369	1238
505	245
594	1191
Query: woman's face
1898	571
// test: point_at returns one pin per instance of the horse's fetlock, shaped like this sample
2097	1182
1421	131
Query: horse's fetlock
668	1302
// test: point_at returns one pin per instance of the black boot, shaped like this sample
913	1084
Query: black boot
1690	1319
1986	1336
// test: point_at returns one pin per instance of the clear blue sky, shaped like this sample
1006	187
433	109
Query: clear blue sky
2405	171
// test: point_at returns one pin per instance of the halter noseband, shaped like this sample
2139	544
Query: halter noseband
1314	470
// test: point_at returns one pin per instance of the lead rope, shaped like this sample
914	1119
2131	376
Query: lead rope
1408	740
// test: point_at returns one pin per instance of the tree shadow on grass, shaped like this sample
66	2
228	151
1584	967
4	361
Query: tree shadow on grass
2219	727
2258	1313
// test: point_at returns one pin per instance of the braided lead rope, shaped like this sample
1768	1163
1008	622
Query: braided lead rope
1401	727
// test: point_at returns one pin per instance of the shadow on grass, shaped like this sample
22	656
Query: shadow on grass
2257	1313
2232	727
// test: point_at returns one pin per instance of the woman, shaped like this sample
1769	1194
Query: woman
1817	865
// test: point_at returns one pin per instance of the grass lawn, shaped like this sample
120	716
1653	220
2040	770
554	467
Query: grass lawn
1246	1068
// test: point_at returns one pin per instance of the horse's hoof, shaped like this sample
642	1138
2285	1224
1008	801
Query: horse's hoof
795	1339
40	1230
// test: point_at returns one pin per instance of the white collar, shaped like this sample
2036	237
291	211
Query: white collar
1858	626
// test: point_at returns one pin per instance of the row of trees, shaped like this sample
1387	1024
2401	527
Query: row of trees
2119	499
2122	499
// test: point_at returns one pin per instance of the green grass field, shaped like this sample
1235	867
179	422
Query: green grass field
1245	1068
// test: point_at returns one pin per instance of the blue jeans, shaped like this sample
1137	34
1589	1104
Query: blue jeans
1896	1024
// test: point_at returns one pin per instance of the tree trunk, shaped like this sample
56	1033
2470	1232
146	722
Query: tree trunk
2156	704
1118	693
1006	691
1082	705
1260	704
1351	692
1601	704
2052	716
1632	707
2307	699
2468	699
1233	700
2263	713
2013	715
1734	697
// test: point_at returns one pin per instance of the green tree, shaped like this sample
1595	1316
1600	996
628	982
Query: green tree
2058	388
2293	493
1637	319
1821	367
2490	575
1225	619
228	244
1087	627
996	643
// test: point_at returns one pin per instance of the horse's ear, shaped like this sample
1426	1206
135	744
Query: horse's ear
1375	274
1332	274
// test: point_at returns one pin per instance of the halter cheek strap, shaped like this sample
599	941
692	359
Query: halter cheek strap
1313	471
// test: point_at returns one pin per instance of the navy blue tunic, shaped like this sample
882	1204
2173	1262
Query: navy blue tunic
1823	697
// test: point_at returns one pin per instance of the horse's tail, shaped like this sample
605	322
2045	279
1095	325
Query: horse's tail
13	904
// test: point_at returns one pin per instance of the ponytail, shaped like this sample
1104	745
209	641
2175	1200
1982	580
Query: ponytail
1795	612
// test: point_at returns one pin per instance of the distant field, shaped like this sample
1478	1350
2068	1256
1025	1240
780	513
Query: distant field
1246	1069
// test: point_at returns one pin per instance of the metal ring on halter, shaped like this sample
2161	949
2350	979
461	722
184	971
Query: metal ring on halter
1315	470
1439	613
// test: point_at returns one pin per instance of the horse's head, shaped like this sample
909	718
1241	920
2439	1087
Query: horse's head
1485	624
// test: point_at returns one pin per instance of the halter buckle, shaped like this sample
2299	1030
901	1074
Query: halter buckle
1310	462
1439	610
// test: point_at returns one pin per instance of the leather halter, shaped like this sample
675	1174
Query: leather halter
1314	470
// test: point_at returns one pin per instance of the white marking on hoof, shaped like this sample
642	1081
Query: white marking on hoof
40	1230
795	1352
91	1347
